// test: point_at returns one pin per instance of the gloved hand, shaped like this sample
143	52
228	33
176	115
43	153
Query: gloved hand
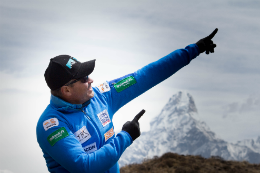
132	127
206	44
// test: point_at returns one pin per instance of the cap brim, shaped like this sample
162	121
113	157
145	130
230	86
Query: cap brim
86	69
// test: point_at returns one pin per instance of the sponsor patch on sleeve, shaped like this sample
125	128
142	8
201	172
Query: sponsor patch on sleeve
109	134
104	87
82	135
90	148
50	123
124	83
57	135
104	118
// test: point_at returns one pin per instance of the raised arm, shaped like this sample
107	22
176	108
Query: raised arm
122	90
126	88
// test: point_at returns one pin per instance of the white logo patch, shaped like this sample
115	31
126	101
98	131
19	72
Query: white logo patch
82	135
50	123
104	118
90	148
104	87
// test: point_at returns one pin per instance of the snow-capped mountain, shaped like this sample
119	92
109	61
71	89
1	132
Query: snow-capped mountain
253	144
178	129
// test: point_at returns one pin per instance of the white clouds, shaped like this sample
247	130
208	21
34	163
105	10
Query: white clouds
237	120
19	113
19	83
5	171
250	106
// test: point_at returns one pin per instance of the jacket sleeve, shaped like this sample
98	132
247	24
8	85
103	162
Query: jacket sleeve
66	150
147	77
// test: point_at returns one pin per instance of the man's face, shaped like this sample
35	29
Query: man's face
81	92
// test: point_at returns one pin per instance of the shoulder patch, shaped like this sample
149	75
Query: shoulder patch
50	123
57	135
82	135
104	118
109	134
124	83
104	87
90	148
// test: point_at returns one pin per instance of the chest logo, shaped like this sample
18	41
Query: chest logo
104	118
104	87
90	148
82	135
50	123
109	134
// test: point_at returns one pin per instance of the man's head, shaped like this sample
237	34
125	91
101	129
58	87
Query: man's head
66	76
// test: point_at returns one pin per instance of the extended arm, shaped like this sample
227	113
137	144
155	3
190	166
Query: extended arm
128	87
148	76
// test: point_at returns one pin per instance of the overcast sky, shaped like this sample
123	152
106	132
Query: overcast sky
123	36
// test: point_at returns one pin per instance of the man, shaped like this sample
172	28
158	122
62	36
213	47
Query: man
75	132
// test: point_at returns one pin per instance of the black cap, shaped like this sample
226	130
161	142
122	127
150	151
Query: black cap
63	68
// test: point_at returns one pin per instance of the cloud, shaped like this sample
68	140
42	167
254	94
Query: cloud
5	171
248	107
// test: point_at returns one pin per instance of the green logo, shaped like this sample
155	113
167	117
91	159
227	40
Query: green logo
124	83
57	135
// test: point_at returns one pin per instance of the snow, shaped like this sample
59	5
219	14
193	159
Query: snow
178	129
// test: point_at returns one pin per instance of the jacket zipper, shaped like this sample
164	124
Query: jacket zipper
99	135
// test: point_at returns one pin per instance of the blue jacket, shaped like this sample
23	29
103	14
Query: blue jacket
80	138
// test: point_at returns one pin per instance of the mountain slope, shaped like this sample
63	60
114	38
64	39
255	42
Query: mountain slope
178	129
253	144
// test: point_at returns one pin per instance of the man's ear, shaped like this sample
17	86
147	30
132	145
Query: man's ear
66	91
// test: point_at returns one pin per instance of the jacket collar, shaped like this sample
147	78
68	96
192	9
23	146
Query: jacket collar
61	104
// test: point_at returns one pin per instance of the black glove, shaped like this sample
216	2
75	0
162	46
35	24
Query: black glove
206	44
132	127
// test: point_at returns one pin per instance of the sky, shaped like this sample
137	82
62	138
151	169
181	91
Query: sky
124	36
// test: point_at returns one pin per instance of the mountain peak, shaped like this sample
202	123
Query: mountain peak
182	101
179	105
177	129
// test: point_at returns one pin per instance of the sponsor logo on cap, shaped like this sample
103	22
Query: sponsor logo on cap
124	83
104	87
70	63
50	123
104	118
90	148
109	134
57	135
82	135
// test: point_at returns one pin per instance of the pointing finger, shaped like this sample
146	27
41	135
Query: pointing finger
138	116
213	34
